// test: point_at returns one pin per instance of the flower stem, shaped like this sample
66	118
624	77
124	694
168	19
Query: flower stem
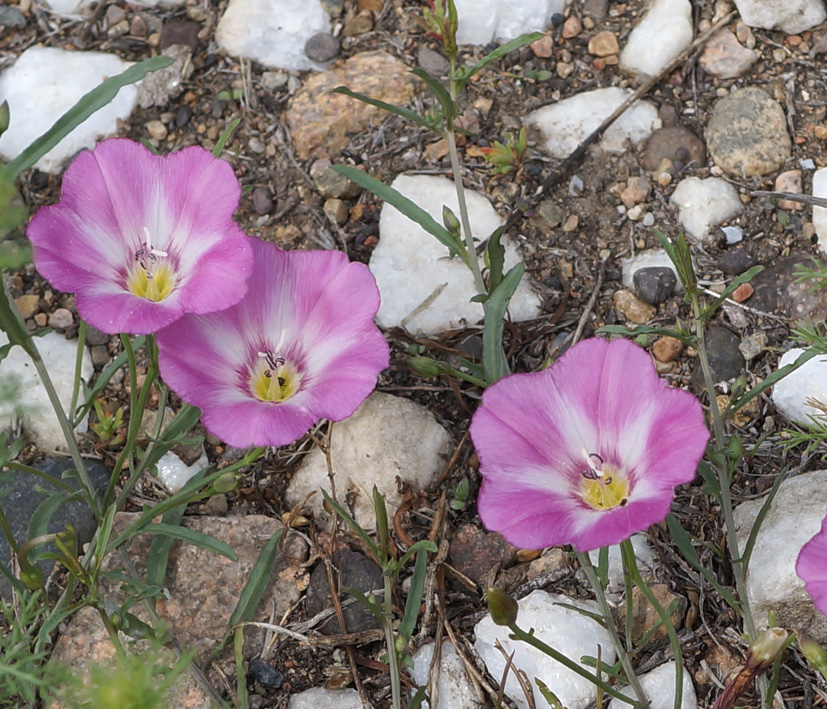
78	366
630	564
390	641
634	682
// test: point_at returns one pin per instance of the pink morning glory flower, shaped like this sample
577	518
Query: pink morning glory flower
811	568
588	451
299	347
142	239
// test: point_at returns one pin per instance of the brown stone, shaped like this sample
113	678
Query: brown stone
725	57
636	191
322	122
645	617
603	44
543	48
27	304
789	181
633	308
571	27
742	293
360	23
475	552
676	144
667	349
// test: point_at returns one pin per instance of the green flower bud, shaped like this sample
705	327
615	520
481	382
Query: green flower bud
33	578
502	607
815	654
227	482
5	117
450	220
425	366
764	649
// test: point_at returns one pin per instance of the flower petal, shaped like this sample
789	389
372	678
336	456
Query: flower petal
811	567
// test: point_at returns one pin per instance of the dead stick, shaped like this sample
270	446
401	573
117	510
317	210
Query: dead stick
793	197
558	172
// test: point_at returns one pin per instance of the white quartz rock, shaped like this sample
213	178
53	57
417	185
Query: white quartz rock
319	698
643	554
482	21
79	8
807	382
174	473
387	437
566	630
659	685
422	289
455	691
32	402
646	259
772	584
272	32
662	34
820	213
43	84
790	16
704	203
565	124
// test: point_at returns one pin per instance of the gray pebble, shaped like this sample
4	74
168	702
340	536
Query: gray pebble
182	116
322	47
12	17
654	284
262	201
432	62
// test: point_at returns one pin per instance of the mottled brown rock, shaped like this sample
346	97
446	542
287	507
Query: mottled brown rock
725	57
603	44
633	308
667	349
789	181
322	122
474	552
747	134
645	617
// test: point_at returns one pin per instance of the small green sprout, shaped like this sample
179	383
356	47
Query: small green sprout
509	157
108	425
459	499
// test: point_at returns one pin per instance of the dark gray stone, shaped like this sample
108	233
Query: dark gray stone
12	17
352	570
322	47
654	284
262	201
96	337
432	62
183	116
735	261
725	357
678	144
779	290
20	498
264	674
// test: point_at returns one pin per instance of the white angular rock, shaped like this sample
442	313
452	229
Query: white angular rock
43	84
272	32
566	630
704	203
807	382
482	21
455	691
387	437
69	8
174	473
565	124
663	33
646	259
772	584
659	685
33	403
423	290
319	698
820	213
790	16
643	553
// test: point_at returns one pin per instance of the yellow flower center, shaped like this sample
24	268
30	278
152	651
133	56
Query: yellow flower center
603	487
155	284
273	379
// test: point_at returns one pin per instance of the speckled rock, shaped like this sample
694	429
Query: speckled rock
321	122
725	358
747	134
790	16
778	290
725	57
633	308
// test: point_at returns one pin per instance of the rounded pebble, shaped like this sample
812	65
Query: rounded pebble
322	47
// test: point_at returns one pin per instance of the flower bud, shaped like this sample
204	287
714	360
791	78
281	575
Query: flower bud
425	366
815	654
227	482
764	649
33	578
5	116
502	607
450	220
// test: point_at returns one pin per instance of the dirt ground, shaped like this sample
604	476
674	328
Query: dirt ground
565	262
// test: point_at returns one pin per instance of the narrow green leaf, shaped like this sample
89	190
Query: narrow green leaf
39	521
730	289
389	107
103	535
497	54
197	539
688	340
417	698
353	524
224	137
257	582
381	512
93	101
495	253
158	559
12	324
370	604
439	91
414	600
548	695
493	357
416	547
407	207
746	552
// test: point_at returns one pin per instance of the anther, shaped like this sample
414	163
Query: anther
273	362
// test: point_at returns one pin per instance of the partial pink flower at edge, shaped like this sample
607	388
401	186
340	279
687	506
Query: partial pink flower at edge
301	346
588	451
141	238
811	568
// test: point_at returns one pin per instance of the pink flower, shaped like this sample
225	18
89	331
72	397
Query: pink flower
588	451
811	568
301	346
142	239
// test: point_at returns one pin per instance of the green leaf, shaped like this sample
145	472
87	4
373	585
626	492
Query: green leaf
389	107
224	137
417	698
370	604
493	357
93	101
548	695
14	254
439	91
465	74
688	340
495	256
203	541
353	524
407	207
730	289
158	558
257	582
39	521
414	601
381	512
12	324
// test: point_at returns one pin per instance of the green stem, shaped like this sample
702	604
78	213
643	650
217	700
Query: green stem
78	367
597	587
390	641
51	479
630	564
531	639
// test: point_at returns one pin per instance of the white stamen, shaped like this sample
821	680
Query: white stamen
149	247
590	462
